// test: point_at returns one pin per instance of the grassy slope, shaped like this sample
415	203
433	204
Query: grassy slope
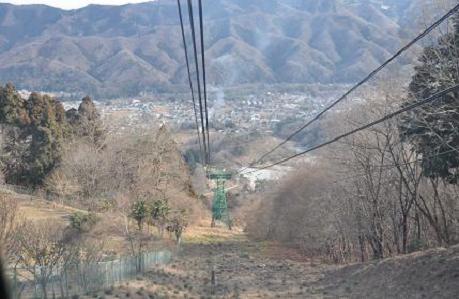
109	228
430	274
247	269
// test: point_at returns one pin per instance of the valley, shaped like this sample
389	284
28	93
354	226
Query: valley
230	149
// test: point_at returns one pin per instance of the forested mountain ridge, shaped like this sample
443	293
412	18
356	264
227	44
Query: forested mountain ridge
124	50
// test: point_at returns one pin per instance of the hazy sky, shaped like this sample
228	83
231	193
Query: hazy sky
70	4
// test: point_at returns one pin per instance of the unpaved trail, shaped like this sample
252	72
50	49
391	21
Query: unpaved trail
246	269
241	269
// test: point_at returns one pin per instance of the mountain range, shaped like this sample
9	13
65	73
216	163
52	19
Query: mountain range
111	51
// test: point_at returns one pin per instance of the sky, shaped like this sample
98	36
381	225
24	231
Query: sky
72	4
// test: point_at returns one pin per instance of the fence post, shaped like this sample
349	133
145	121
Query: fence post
129	267
52	288
61	285
117	269
35	281
15	284
120	269
107	283
112	278
140	262
66	280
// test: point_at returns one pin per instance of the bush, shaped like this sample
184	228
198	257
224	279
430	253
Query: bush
83	222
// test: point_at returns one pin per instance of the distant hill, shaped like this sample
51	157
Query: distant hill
108	51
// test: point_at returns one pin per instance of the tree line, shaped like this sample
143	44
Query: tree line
34	131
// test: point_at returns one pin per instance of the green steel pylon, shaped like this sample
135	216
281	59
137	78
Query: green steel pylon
219	204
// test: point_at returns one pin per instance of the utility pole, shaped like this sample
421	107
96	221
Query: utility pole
219	203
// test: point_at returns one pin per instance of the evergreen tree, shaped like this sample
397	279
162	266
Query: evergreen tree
36	129
12	106
159	212
433	128
139	212
86	123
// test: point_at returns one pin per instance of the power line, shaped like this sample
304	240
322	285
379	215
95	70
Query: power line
415	161
389	166
193	33
366	79
201	29
190	81
385	118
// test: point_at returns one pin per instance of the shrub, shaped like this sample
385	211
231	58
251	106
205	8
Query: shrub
83	222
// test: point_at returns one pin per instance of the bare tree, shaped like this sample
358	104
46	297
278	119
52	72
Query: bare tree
144	165
43	248
9	221
365	196
177	224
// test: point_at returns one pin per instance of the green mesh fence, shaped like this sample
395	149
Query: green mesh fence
69	281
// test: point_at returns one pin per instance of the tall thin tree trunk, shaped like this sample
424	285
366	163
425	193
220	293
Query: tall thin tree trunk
404	233
362	247
43	289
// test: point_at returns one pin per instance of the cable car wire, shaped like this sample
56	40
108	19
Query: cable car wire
383	119
366	79
190	81
387	167
193	34
201	29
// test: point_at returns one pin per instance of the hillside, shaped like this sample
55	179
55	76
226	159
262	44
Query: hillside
429	274
247	269
123	50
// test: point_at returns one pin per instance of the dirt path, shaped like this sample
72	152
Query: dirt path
242	269
239	271
247	269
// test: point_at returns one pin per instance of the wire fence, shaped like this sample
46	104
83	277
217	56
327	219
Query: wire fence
73	280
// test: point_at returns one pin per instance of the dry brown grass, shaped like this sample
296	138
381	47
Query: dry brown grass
243	269
429	274
109	228
202	233
247	269
38	209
